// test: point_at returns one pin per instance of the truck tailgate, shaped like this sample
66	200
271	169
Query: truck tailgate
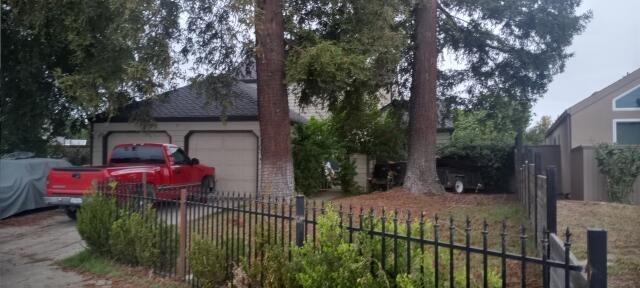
73	181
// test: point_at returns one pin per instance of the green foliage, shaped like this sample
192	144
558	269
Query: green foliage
334	138
208	263
274	266
477	127
487	144
621	166
135	239
313	144
333	262
535	135
99	56
87	261
95	217
347	175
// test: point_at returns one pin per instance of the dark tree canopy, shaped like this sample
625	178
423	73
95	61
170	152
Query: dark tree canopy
65	60
506	49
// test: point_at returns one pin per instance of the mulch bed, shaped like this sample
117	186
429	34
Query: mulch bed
403	200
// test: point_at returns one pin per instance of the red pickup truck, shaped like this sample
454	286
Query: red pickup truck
163	164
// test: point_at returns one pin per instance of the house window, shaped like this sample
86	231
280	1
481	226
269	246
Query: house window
628	101
627	132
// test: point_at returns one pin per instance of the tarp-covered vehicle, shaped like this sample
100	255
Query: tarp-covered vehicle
23	183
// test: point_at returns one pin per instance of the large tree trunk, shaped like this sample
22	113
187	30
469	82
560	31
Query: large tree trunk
276	171
421	174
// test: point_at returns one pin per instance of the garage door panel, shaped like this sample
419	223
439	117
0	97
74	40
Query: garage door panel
233	154
206	142
116	138
243	142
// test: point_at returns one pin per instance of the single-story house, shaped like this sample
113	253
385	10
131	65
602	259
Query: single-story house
611	115
186	118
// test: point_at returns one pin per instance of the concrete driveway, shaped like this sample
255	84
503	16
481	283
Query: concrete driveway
30	244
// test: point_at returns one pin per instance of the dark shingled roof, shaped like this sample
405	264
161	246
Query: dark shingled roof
187	104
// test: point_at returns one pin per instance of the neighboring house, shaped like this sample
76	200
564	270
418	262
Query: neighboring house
185	118
445	122
611	115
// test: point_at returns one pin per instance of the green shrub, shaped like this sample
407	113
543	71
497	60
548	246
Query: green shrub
273	269
621	166
135	239
95	217
208	263
494	160
313	144
347	175
333	262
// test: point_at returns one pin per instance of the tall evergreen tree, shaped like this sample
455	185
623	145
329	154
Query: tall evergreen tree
226	38
276	163
423	111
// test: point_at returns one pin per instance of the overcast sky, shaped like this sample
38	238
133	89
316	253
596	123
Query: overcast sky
608	49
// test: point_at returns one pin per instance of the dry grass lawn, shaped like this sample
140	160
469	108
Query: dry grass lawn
623	225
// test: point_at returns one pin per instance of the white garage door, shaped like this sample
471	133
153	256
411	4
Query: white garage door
116	138
233	154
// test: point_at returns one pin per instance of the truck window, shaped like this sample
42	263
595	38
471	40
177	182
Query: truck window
138	154
179	156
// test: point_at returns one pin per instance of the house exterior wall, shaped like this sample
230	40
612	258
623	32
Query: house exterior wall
362	174
590	184
593	124
584	125
177	131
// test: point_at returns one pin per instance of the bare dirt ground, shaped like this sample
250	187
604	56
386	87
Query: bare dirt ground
622	223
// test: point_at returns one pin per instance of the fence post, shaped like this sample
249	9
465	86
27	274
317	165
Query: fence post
300	223
144	185
551	199
182	242
597	257
538	171
532	187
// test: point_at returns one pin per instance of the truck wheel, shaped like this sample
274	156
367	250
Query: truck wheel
207	189
459	186
72	212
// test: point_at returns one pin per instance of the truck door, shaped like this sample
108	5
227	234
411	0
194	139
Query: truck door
180	167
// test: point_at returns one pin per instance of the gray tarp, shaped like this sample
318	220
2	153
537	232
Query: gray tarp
22	183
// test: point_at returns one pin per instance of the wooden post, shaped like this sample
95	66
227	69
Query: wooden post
144	184
551	199
597	257
182	228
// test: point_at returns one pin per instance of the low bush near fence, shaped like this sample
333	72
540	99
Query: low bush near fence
135	239
94	222
112	229
208	263
621	166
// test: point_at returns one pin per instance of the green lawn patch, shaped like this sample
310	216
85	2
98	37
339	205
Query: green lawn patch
86	261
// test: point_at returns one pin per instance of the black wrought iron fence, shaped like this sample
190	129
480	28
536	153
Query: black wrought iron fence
240	225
